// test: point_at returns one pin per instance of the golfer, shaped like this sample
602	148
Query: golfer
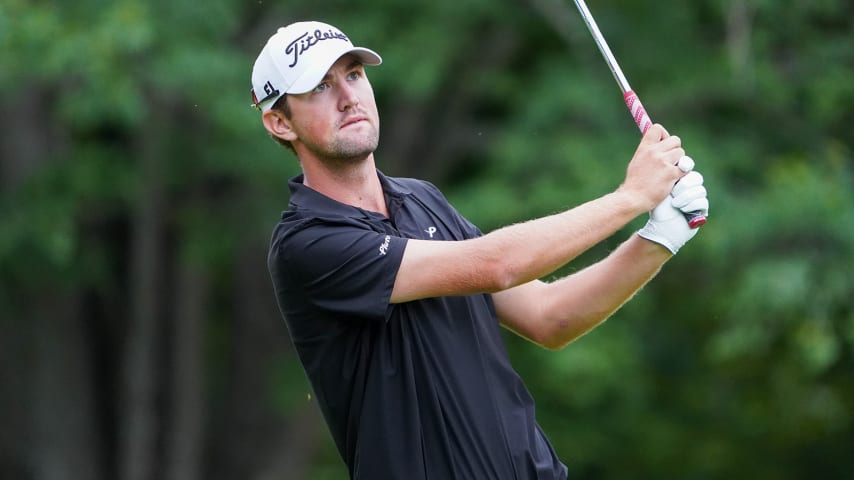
395	302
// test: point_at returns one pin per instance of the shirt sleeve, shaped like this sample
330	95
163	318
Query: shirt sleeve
339	270
468	229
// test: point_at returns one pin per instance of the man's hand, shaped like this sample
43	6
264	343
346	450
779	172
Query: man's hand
689	194
652	172
667	225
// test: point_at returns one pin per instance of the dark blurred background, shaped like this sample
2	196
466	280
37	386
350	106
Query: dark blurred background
139	336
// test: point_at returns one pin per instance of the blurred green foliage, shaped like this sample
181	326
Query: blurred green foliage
734	363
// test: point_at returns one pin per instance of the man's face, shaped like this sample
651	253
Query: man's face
338	120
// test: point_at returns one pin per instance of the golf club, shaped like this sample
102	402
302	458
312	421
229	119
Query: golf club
695	219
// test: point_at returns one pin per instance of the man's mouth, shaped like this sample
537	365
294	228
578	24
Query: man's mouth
353	121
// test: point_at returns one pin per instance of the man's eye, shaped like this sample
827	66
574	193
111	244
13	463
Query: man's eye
354	75
323	86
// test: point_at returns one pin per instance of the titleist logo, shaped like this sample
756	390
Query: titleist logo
307	40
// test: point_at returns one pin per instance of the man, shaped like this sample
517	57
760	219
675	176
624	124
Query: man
394	301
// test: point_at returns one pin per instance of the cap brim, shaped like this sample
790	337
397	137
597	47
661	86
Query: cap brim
313	75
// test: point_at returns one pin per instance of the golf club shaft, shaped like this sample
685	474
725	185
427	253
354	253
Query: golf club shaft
633	103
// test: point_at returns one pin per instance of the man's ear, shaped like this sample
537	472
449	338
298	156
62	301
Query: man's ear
278	125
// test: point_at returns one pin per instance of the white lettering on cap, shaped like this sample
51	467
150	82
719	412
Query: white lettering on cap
305	41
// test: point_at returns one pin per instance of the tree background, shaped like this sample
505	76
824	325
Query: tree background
139	337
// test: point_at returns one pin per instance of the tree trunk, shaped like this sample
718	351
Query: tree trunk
65	423
184	436
738	40
252	425
407	151
51	428
139	431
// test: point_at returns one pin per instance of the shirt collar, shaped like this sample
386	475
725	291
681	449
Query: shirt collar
306	198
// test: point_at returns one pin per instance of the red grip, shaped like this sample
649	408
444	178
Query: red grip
638	112
695	219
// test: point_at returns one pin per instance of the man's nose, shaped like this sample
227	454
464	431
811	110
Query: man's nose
349	97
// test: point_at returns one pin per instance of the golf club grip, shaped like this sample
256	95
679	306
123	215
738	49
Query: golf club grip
638	112
695	219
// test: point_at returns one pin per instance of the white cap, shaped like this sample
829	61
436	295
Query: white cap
297	57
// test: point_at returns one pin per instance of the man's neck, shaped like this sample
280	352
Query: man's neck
355	183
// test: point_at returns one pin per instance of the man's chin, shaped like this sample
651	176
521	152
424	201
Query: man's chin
354	150
350	156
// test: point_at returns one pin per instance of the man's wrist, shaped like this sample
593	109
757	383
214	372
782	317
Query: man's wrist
628	203
657	242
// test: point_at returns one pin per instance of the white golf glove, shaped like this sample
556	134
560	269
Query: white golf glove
667	225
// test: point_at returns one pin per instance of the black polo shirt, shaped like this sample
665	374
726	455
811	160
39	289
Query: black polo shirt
418	390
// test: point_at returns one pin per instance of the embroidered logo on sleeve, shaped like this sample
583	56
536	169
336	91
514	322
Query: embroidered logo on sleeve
384	246
431	231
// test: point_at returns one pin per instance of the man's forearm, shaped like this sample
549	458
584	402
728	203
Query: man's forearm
576	304
536	248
